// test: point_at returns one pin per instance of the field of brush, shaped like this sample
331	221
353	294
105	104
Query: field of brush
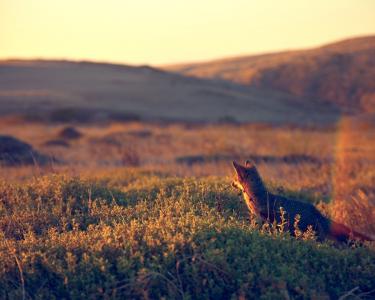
146	210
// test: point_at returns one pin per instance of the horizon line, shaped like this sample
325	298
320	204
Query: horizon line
172	64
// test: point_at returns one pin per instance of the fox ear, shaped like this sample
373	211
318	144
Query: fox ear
248	164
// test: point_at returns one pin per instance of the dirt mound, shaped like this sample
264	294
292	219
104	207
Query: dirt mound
70	133
14	152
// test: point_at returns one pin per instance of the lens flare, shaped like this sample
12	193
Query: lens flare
354	159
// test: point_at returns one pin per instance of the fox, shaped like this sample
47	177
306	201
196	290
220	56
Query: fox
266	206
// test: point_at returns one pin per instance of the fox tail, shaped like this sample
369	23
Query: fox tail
341	232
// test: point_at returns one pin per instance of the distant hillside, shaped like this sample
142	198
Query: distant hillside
83	91
342	73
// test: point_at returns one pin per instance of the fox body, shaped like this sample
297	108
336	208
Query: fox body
266	206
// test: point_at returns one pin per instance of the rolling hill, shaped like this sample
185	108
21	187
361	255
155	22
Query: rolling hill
85	91
341	73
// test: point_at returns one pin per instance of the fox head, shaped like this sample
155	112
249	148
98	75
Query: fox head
242	172
248	181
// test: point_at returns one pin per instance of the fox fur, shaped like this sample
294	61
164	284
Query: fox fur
266	206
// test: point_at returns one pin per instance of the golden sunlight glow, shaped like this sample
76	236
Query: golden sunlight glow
169	31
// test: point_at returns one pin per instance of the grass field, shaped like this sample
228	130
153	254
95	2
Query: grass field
146	210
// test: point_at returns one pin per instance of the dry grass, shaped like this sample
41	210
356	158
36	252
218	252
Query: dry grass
122	215
330	166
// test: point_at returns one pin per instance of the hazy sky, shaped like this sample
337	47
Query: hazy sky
169	31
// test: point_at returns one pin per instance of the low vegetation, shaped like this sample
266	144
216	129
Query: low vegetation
142	210
140	235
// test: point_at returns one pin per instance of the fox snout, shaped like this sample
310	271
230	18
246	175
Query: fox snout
241	175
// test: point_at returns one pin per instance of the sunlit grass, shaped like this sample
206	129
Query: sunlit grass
152	236
99	225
